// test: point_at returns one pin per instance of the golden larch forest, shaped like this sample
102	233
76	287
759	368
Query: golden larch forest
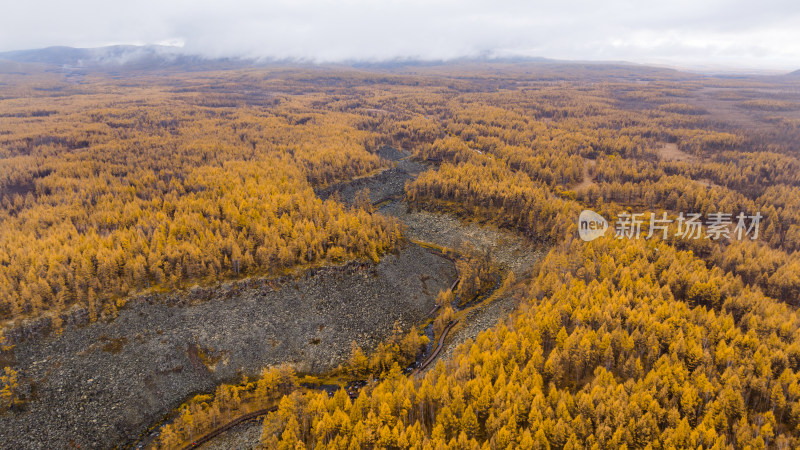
116	187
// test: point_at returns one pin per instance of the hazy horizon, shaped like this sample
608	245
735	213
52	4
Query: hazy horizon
683	34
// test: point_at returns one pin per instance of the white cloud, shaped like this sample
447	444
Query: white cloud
744	33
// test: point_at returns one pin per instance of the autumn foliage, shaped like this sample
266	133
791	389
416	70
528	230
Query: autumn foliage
616	343
113	194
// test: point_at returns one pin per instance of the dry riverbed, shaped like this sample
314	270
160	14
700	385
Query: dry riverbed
103	384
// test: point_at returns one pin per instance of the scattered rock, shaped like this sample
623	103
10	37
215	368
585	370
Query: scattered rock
235	329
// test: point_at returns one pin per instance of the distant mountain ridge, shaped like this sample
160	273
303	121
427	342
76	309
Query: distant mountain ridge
116	54
115	57
162	56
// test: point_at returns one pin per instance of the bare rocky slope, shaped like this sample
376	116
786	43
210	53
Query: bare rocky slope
509	250
100	385
388	184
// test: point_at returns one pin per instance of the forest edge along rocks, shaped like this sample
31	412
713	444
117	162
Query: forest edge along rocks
104	383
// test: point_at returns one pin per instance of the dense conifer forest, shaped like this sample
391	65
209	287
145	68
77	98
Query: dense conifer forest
113	187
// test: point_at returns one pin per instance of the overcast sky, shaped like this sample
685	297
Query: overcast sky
761	34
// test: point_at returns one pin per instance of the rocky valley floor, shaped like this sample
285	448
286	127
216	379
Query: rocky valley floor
103	384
